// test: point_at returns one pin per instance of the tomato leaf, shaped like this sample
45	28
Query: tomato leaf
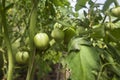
60	2
113	35
9	6
83	62
43	68
99	31
75	45
80	4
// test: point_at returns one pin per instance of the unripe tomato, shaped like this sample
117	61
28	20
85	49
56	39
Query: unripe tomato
115	12
57	34
22	57
41	40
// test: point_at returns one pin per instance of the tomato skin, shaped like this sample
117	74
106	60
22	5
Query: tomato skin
57	34
22	57
115	12
41	40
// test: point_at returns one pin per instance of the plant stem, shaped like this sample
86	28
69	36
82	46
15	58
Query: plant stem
116	3
32	27
8	44
100	72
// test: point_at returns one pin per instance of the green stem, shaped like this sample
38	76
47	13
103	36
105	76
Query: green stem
100	72
8	44
1	36
116	3
32	27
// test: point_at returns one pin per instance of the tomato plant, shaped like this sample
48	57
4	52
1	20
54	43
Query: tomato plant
53	37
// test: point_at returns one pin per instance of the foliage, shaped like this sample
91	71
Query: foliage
88	49
85	58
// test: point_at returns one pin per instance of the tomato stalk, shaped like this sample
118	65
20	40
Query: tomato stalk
8	44
102	67
32	27
116	3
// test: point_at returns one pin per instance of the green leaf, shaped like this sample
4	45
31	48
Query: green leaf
107	4
49	9
99	31
52	56
83	63
60	2
43	68
75	45
9	6
113	35
115	78
80	4
116	33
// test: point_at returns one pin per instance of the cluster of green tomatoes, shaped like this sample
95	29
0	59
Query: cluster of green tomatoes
42	41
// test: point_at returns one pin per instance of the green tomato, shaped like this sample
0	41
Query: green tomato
41	40
22	57
115	12
57	34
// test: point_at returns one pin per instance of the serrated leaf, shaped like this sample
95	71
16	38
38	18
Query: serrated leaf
107	4
83	63
80	4
75	45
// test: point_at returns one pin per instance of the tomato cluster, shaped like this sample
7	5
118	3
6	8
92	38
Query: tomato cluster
58	34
